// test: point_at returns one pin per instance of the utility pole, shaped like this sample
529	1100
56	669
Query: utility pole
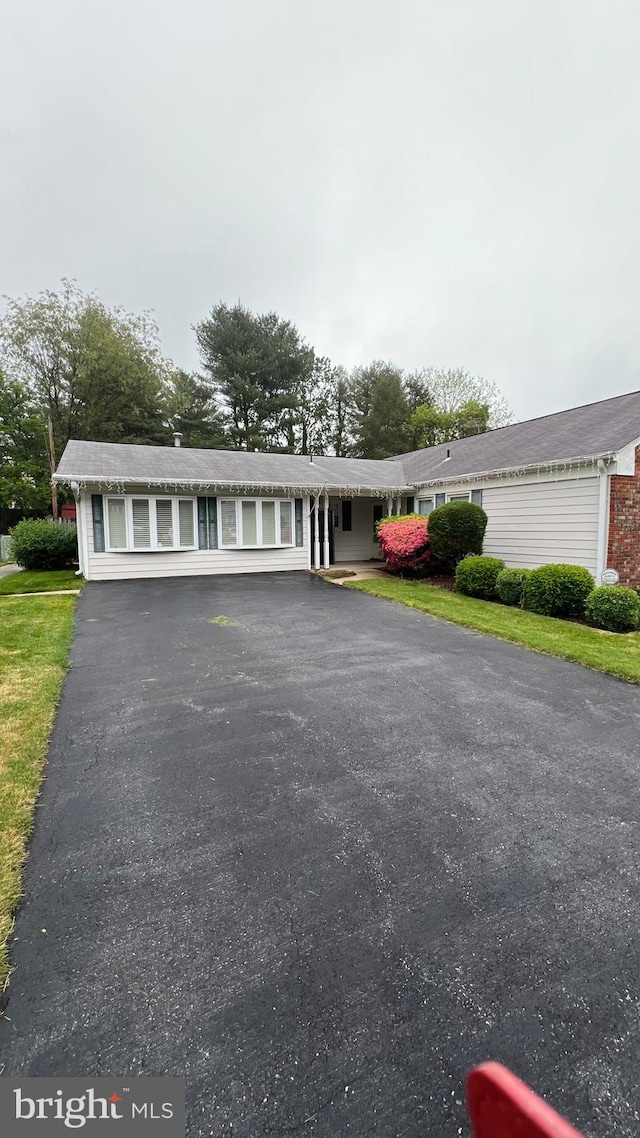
52	464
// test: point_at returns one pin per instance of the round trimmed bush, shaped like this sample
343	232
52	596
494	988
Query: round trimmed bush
557	590
613	607
510	585
456	529
39	544
477	576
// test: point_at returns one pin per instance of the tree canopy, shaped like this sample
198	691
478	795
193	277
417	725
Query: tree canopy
99	373
259	367
24	466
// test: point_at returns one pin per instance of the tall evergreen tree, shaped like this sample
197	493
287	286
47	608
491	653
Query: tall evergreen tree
339	412
257	364
306	426
380	411
192	410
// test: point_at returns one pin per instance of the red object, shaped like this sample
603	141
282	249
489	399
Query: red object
69	512
405	544
501	1106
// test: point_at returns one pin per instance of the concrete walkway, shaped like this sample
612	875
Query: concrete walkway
358	571
5	570
319	854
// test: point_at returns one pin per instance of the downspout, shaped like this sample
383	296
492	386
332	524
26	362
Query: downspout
604	486
82	550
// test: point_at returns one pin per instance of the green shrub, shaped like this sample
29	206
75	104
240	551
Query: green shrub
456	529
510	585
613	607
557	590
477	576
39	544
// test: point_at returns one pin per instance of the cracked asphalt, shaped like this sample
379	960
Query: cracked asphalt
319	854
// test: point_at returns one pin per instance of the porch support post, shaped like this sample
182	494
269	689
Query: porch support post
325	550
389	506
316	532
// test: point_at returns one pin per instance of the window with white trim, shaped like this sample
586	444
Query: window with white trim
255	523
150	523
471	496
425	506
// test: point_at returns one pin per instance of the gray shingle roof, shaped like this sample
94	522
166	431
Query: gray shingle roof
124	462
582	432
592	430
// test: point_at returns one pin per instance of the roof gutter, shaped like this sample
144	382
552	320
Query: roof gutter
555	466
114	482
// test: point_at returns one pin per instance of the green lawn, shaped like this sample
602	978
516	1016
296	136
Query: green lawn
611	652
35	633
39	582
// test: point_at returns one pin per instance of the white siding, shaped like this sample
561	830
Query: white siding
534	523
191	563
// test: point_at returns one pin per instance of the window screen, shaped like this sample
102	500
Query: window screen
249	524
185	520
141	523
228	522
117	523
268	523
286	526
425	506
164	521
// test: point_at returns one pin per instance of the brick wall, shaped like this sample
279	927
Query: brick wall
623	552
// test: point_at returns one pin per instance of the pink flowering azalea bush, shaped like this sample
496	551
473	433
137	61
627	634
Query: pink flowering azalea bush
406	547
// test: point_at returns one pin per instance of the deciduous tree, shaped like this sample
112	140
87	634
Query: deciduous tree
24	467
450	389
97	372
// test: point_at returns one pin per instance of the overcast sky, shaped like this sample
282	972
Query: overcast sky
436	182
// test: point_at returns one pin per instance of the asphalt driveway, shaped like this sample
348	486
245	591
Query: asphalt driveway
320	853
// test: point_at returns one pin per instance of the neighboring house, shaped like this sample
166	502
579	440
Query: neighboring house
565	487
